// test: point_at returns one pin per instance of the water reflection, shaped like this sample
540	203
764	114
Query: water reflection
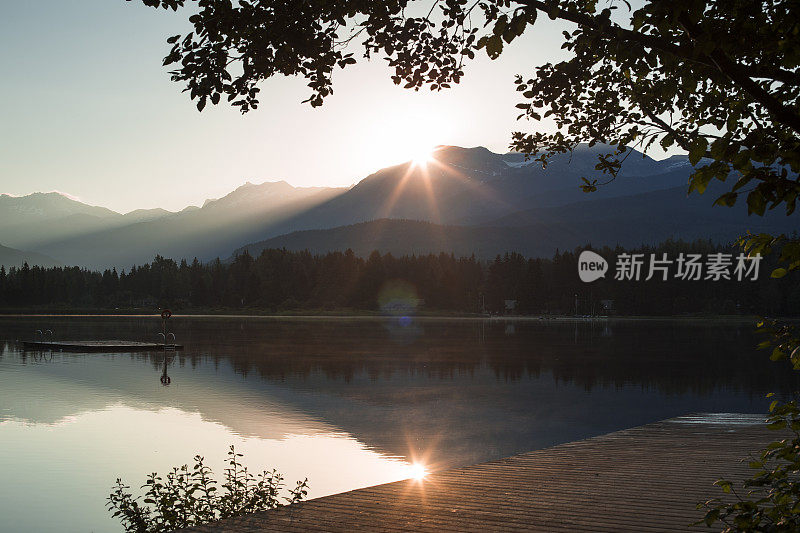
347	403
72	462
165	379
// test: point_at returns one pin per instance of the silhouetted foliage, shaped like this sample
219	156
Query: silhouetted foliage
190	497
716	78
281	280
770	500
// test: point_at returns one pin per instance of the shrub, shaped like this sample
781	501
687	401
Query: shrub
188	497
771	501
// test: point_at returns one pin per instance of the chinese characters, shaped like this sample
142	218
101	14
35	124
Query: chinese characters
688	267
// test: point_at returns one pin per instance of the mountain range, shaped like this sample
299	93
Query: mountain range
465	201
11	257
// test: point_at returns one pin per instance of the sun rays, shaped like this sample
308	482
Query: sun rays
417	169
417	471
422	157
427	167
428	184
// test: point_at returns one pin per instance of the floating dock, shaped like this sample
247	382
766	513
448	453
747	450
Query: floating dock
645	479
100	346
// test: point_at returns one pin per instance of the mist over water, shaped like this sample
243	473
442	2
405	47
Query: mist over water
345	402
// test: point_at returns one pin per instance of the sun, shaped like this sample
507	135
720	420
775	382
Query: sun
423	156
417	471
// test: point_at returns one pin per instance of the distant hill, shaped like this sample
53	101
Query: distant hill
633	220
10	257
143	215
34	220
475	186
44	206
473	200
210	231
413	237
396	236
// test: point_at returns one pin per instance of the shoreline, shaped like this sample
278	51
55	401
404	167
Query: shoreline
744	319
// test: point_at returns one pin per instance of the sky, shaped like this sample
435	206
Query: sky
87	109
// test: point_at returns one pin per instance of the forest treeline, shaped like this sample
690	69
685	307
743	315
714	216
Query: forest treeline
282	280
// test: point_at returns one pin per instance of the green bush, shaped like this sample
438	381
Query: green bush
188	497
770	499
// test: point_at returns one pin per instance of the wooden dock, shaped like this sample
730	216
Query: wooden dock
644	479
100	346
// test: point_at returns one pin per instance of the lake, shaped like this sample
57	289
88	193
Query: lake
345	402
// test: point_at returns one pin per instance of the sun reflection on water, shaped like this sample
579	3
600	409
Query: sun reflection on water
417	471
90	449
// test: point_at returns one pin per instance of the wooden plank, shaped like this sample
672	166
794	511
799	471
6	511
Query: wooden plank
101	346
645	479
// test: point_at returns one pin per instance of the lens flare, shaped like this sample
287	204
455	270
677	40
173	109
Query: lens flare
399	298
417	471
422	157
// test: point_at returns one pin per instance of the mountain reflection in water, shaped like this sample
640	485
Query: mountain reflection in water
346	402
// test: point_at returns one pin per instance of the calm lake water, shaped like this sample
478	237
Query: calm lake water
345	402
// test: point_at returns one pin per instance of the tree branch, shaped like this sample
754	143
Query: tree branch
737	74
593	23
716	59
